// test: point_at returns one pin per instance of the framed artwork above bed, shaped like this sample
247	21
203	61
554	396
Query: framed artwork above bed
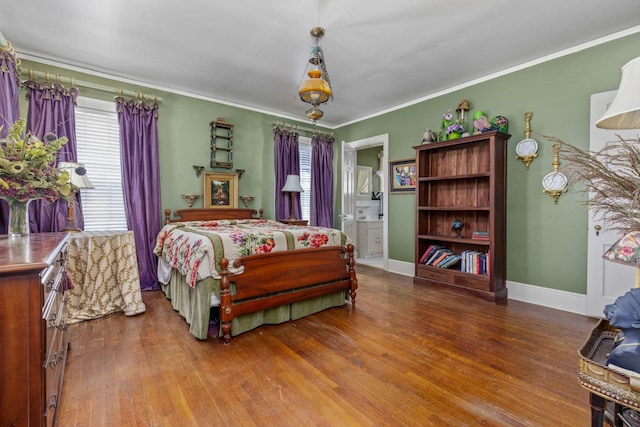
220	190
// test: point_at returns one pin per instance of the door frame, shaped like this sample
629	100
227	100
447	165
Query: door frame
377	141
606	281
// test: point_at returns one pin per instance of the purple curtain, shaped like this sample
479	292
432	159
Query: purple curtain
9	107
322	181
287	162
52	109
141	181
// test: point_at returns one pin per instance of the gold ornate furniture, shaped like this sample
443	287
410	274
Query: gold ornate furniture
104	270
610	391
34	341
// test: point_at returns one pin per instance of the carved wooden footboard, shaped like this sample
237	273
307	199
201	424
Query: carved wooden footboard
273	279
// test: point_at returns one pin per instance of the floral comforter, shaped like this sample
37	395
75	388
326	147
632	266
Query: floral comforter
195	248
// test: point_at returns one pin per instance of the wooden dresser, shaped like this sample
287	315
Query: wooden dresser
33	338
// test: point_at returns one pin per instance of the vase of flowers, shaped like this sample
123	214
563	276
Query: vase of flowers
18	224
28	172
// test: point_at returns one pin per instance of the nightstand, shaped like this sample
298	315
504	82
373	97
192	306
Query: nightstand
104	270
302	222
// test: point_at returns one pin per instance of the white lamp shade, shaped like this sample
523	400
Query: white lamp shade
624	111
292	184
77	174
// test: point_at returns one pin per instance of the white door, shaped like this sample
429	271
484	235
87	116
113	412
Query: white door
606	280
347	217
349	157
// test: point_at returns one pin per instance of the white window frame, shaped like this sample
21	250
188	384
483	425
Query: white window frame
98	147
304	149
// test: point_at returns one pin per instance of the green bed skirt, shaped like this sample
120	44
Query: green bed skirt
194	305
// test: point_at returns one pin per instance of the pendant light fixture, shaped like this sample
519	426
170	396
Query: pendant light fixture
316	89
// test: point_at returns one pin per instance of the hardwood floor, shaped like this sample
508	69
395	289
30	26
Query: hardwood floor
408	355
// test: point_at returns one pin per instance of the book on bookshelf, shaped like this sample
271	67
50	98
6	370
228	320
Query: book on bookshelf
435	255
450	261
443	254
474	262
430	250
480	235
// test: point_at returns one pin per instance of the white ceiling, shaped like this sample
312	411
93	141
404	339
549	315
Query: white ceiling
379	54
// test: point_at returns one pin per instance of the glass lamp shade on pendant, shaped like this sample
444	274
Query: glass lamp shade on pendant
314	113
315	90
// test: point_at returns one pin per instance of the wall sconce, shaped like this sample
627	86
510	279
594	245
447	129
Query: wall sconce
198	170
246	200
239	172
190	198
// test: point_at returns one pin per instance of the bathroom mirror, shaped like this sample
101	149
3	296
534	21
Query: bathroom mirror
363	182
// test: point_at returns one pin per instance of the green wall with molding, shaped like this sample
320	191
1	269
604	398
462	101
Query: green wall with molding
546	243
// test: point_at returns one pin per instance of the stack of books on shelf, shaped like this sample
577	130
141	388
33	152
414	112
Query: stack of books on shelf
439	256
480	235
474	262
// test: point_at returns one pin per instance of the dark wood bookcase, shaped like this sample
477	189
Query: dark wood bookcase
463	179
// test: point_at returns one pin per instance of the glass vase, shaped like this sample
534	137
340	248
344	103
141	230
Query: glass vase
18	225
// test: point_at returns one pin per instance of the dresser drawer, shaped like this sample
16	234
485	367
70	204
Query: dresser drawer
54	371
33	327
54	316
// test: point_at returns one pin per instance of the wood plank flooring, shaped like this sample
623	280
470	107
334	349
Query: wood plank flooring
407	355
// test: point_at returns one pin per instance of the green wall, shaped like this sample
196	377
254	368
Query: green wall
546	243
184	141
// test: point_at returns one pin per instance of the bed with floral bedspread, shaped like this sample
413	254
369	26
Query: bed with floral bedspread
256	271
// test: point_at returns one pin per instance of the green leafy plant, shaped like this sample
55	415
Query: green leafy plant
27	168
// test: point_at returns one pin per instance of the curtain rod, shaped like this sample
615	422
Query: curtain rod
295	127
32	74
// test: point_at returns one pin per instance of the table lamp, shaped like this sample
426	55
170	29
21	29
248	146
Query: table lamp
624	111
78	177
292	186
626	251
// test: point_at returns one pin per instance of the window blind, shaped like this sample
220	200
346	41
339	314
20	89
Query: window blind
98	145
304	147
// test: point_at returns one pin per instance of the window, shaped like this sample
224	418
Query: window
304	146
98	140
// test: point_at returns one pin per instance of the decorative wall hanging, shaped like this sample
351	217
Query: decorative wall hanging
220	190
527	149
190	198
555	183
198	170
402	175
221	144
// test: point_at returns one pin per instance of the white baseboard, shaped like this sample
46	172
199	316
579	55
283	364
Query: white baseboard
553	298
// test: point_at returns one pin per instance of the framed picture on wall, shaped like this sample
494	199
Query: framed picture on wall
402	175
220	190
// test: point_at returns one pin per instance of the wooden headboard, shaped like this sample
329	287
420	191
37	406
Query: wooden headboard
205	214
